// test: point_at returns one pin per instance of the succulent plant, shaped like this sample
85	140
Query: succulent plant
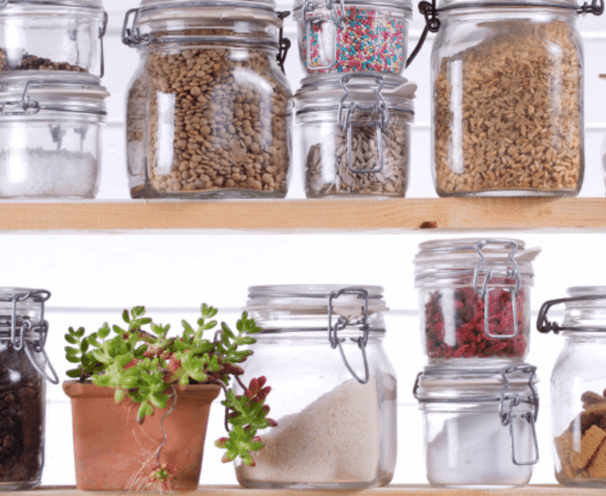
141	362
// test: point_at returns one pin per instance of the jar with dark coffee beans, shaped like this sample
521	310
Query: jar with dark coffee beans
208	110
24	366
53	35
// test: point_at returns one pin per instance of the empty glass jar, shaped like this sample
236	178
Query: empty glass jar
578	387
355	134
56	35
209	109
507	111
474	300
340	36
23	367
333	388
479	425
50	135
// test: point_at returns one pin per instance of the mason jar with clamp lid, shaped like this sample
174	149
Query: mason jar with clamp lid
479	425
50	135
209	110
341	36
55	35
355	134
578	387
333	388
474	300
507	107
24	365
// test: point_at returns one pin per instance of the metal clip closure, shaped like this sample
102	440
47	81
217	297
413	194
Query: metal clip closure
336	19
19	338
545	326
596	8
283	43
343	322
132	36
102	31
509	402
24	106
484	292
379	107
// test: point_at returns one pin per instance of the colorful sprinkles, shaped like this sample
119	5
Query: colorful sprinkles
370	40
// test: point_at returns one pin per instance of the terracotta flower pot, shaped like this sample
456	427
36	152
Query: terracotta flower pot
113	452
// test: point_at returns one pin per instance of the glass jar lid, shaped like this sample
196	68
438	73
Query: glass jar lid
23	327
446	5
333	91
454	257
584	311
6	5
24	94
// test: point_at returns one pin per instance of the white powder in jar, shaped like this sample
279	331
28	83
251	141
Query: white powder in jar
36	172
335	439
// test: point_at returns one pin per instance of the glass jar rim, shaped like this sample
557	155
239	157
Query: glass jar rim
456	5
86	4
404	6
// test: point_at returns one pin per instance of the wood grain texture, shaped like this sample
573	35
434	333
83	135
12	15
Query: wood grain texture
391	490
407	214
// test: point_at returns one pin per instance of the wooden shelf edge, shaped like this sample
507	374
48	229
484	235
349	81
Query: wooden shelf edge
391	490
359	214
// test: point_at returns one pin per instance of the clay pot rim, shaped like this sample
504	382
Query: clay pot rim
77	389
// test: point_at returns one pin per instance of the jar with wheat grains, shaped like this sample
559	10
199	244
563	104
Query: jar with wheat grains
507	97
209	108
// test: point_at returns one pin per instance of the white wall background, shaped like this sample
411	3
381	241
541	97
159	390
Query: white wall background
93	276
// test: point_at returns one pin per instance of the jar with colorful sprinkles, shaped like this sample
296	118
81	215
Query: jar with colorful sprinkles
352	36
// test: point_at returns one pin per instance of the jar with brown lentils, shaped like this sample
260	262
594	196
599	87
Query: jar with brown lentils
209	109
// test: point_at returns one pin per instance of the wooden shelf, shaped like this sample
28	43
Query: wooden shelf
409	214
391	490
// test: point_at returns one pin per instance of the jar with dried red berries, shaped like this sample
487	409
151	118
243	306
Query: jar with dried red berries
578	387
353	36
474	297
24	366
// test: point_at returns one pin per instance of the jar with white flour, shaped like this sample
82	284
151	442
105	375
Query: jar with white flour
333	388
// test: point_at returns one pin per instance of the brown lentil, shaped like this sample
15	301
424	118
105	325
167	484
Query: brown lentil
521	122
222	123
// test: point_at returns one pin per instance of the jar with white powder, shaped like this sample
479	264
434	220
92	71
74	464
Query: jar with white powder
333	388
50	135
479	425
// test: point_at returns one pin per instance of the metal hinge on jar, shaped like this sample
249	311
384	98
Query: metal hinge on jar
342	323
23	334
317	16
347	121
489	275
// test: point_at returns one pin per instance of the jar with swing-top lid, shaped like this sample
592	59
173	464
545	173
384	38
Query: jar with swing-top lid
479	425
355	132
50	134
578	387
208	109
343	36
507	106
474	300
333	388
24	366
53	35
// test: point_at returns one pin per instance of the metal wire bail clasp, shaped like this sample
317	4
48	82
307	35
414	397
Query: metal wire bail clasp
346	120
508	403
283	43
21	339
311	20
483	290
132	36
343	322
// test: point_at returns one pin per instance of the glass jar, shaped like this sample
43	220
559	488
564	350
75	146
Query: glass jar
479	425
56	35
336	409
351	36
23	367
507	105
209	110
474	300
355	134
578	386
50	135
